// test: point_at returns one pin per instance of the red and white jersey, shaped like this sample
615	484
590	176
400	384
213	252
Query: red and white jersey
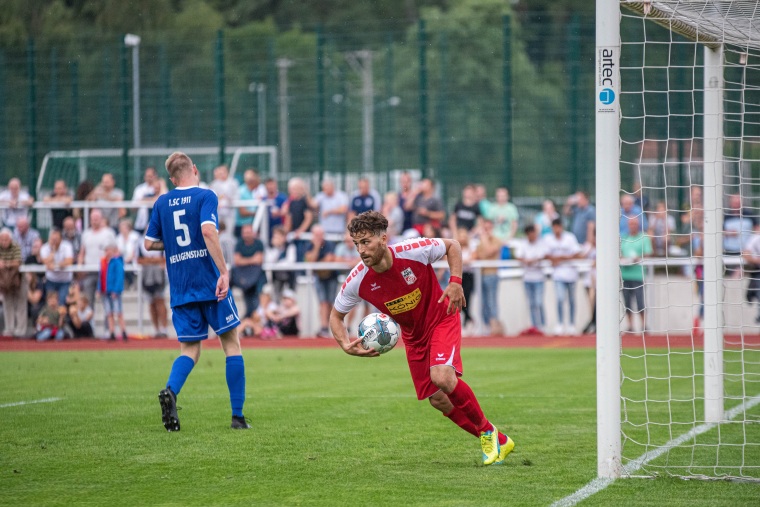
409	291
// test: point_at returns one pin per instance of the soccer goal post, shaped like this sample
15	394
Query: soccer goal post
678	200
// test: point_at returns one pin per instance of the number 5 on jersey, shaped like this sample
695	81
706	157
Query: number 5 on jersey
184	238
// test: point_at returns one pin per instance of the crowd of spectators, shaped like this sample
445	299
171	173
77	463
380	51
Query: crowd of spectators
306	228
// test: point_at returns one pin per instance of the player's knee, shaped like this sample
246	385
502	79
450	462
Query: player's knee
443	377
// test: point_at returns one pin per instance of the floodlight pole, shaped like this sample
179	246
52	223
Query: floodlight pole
133	41
607	111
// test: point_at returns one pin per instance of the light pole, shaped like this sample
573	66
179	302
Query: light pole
133	41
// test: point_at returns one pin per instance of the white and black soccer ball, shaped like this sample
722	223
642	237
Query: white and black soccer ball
379	332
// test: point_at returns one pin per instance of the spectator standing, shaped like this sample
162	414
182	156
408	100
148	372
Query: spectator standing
252	190
504	216
629	209
561	248
737	226
346	251
147	192
80	194
634	246
332	208
545	217
406	196
466	213
94	241
326	280
364	199
428	208
280	252
227	190
70	233
128	242
50	320
35	297
111	287
489	248
25	236
275	199
106	191
153	264
696	252
13	286
468	278
18	201
751	256
640	199
661	225
57	255
247	271
395	215
61	196
299	217
531	253
582	214
588	251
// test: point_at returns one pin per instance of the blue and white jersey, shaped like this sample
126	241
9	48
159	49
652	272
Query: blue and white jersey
176	220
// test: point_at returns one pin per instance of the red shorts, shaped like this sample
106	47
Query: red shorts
440	348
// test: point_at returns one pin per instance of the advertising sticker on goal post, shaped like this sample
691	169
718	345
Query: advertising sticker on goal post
607	86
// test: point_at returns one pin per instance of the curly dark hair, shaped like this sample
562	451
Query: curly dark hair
369	221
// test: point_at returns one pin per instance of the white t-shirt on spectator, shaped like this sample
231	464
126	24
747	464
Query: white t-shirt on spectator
10	215
565	245
142	191
226	191
65	251
94	243
531	252
334	223
129	246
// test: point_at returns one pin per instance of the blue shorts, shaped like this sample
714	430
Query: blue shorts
191	320
111	303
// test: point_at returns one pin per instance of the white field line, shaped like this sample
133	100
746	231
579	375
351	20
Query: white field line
601	483
29	402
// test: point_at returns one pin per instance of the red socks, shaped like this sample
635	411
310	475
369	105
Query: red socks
464	399
460	419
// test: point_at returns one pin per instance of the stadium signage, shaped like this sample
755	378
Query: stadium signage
607	80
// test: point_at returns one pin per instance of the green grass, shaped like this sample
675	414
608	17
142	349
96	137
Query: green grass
329	430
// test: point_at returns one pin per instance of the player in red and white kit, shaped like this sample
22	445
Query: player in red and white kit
399	280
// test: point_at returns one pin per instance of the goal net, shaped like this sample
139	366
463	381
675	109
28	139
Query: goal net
680	90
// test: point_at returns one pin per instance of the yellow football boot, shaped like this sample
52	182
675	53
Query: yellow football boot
504	451
489	443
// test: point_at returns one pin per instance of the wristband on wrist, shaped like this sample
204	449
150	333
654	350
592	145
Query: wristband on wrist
455	279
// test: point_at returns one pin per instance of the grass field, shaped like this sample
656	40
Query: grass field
328	429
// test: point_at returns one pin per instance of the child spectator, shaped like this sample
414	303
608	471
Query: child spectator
285	315
80	318
50	319
531	254
110	287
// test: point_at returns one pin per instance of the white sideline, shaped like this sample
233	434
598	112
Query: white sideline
30	402
601	483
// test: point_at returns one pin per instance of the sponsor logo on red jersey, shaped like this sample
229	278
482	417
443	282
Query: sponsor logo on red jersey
404	303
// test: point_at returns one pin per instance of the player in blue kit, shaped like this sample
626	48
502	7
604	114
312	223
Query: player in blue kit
184	224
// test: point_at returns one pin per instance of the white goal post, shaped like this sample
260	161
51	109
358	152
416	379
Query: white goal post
673	119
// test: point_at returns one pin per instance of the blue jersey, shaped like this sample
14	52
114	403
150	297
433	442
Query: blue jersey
176	220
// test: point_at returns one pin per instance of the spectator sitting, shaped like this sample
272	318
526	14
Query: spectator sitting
634	246
18	201
299	217
531	253
57	255
285	315
489	248
364	199
107	191
257	324
582	214
466	213
80	319
147	192
153	264
94	241
226	189
13	286
25	236
62	197
332	207
326	279
246	271
35	299
545	217
251	190
280	252
50	319
628	210
504	216
110	287
561	248
661	225
395	215
428	208
70	233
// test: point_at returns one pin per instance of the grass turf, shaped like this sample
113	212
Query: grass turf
328	429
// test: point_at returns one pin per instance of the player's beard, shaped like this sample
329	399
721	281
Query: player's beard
374	259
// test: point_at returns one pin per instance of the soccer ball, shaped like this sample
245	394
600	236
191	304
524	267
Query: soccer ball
379	332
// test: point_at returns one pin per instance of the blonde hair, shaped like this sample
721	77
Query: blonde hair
177	164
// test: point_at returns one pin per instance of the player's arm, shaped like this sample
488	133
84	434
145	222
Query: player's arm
454	290
339	331
211	237
153	245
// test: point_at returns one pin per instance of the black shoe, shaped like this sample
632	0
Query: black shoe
112	337
124	336
239	423
168	401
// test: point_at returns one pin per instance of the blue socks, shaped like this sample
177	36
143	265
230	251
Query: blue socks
181	368
236	383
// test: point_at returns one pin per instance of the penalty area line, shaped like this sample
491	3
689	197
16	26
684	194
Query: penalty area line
29	402
600	483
